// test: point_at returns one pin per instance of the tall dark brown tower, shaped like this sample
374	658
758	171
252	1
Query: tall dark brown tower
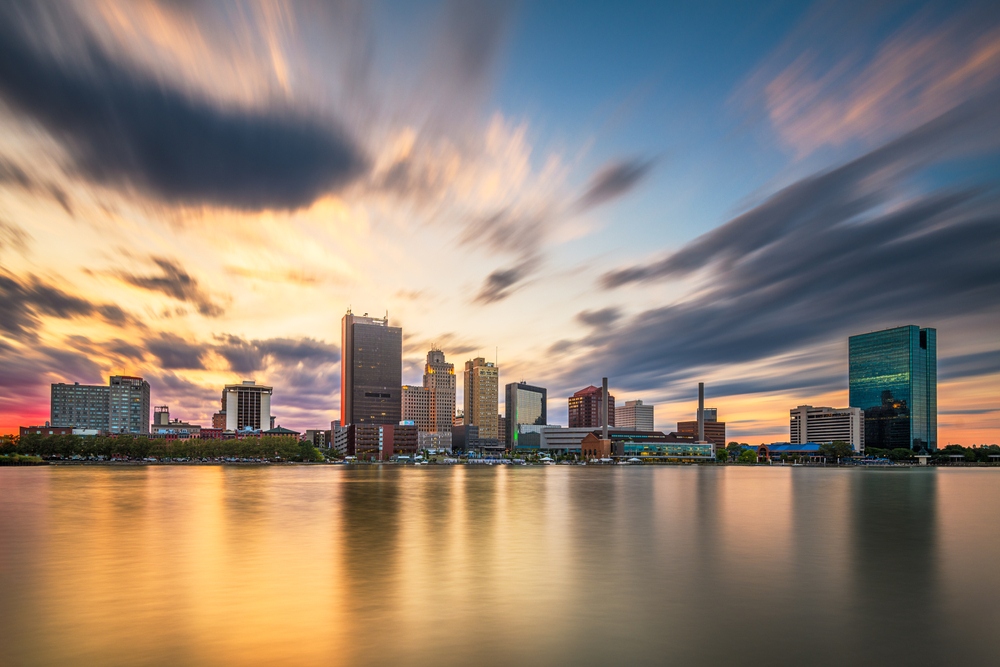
371	376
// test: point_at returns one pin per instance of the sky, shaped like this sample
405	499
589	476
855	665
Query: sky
659	193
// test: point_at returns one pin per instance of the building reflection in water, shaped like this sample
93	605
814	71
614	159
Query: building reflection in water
896	598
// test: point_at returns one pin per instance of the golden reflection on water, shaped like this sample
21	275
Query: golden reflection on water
491	566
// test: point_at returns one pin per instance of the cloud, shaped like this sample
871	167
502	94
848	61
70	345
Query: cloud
12	236
969	365
11	173
614	180
500	284
175	282
821	88
24	302
123	128
174	352
830	255
247	356
599	318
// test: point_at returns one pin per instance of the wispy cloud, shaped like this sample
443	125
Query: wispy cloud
175	282
832	254
821	88
614	180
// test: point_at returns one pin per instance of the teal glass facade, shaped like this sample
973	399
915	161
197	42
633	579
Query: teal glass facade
893	378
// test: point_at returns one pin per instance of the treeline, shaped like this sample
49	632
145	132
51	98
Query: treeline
970	454
269	447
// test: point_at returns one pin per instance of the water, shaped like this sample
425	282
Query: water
498	566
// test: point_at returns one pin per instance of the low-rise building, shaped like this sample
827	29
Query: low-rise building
380	442
45	430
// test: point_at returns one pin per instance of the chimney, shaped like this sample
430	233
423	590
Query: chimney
701	412
604	408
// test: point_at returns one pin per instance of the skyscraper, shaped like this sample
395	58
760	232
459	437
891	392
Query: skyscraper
371	377
586	409
893	378
439	378
634	414
482	397
523	404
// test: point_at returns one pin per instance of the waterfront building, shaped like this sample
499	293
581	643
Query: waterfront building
651	446
586	408
247	406
371	371
524	404
380	442
482	397
824	425
121	406
465	438
439	379
164	427
634	414
893	379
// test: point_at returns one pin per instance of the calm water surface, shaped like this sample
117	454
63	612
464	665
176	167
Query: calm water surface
498	566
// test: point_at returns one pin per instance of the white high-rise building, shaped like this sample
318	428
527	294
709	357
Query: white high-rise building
823	425
248	405
634	415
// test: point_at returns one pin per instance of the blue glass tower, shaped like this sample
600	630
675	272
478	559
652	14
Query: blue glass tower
893	378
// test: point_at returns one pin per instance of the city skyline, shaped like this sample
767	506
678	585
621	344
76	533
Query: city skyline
711	203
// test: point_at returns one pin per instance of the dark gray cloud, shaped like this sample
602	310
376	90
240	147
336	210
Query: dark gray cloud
614	180
175	353
831	255
24	301
969	365
247	356
599	318
500	284
175	282
123	128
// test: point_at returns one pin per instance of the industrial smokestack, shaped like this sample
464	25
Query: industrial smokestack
604	408
701	412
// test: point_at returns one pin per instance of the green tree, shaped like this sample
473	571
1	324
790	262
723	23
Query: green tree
748	456
900	454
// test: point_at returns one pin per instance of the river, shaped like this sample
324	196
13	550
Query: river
557	565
